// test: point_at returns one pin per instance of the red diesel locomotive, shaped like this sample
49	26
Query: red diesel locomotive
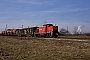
48	30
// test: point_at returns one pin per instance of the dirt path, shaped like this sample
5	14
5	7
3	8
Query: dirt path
65	39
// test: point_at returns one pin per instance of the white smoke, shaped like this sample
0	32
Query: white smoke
79	29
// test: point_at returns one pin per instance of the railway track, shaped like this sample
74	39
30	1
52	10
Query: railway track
33	38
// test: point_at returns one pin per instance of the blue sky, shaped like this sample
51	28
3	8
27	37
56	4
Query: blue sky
36	12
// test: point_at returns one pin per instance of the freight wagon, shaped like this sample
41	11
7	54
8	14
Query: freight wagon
9	32
26	31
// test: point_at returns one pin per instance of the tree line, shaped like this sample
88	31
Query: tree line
65	32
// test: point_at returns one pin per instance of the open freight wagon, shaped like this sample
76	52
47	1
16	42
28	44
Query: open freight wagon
27	32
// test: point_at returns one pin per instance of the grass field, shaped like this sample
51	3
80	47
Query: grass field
43	49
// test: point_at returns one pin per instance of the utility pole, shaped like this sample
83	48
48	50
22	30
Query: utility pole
6	27
67	29
28	26
22	26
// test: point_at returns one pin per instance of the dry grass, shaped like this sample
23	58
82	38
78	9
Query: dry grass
42	49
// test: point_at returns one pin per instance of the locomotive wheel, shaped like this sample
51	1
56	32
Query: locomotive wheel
51	34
